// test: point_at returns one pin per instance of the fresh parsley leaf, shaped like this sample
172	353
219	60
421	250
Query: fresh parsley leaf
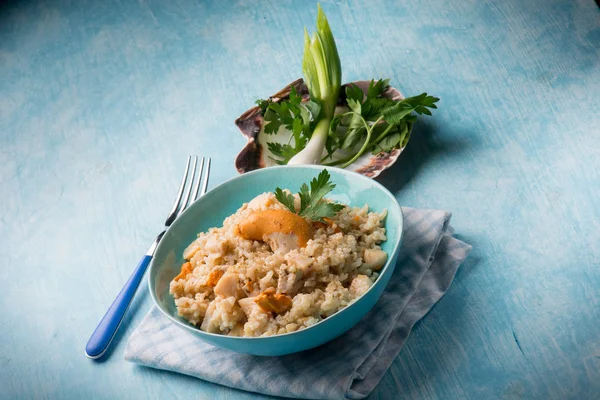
304	195
354	105
422	100
314	208
405	134
263	104
285	112
396	138
422	110
272	122
421	103
334	138
287	199
297	130
395	114
283	151
323	210
281	113
319	187
355	93
376	88
312	205
355	132
295	99
373	108
403	109
389	143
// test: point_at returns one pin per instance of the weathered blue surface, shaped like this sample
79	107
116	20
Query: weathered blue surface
101	101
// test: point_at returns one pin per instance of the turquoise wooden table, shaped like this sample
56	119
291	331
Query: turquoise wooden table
101	101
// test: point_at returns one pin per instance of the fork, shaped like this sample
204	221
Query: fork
107	328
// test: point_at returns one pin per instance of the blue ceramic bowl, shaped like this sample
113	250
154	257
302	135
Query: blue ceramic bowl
212	208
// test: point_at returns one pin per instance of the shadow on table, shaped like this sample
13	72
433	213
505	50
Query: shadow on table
424	145
138	300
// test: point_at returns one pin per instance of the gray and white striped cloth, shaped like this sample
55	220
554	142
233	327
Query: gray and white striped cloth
349	366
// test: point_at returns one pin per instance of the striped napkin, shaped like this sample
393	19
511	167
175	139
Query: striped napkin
348	367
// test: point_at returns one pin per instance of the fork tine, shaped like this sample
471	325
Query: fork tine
188	191
194	194
206	176
173	212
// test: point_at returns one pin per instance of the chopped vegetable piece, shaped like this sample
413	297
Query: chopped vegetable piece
186	268
269	301
213	277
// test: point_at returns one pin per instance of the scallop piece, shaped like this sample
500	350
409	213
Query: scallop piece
248	306
256	154
189	252
300	261
261	201
374	259
288	283
207	323
266	281
228	286
360	284
281	242
222	315
216	246
237	330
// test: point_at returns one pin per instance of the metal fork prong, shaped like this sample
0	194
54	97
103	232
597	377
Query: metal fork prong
194	194
173	212
206	176
188	191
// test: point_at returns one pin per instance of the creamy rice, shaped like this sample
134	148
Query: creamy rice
336	267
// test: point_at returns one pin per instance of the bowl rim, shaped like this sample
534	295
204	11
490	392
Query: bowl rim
387	265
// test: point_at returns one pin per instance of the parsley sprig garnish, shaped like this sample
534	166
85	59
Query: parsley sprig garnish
374	123
312	205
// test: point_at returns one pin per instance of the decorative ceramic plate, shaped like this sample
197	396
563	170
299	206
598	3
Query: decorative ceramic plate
256	155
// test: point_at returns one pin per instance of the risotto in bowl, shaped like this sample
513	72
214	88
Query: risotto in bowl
278	260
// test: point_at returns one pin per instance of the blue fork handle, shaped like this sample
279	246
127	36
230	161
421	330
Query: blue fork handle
107	328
